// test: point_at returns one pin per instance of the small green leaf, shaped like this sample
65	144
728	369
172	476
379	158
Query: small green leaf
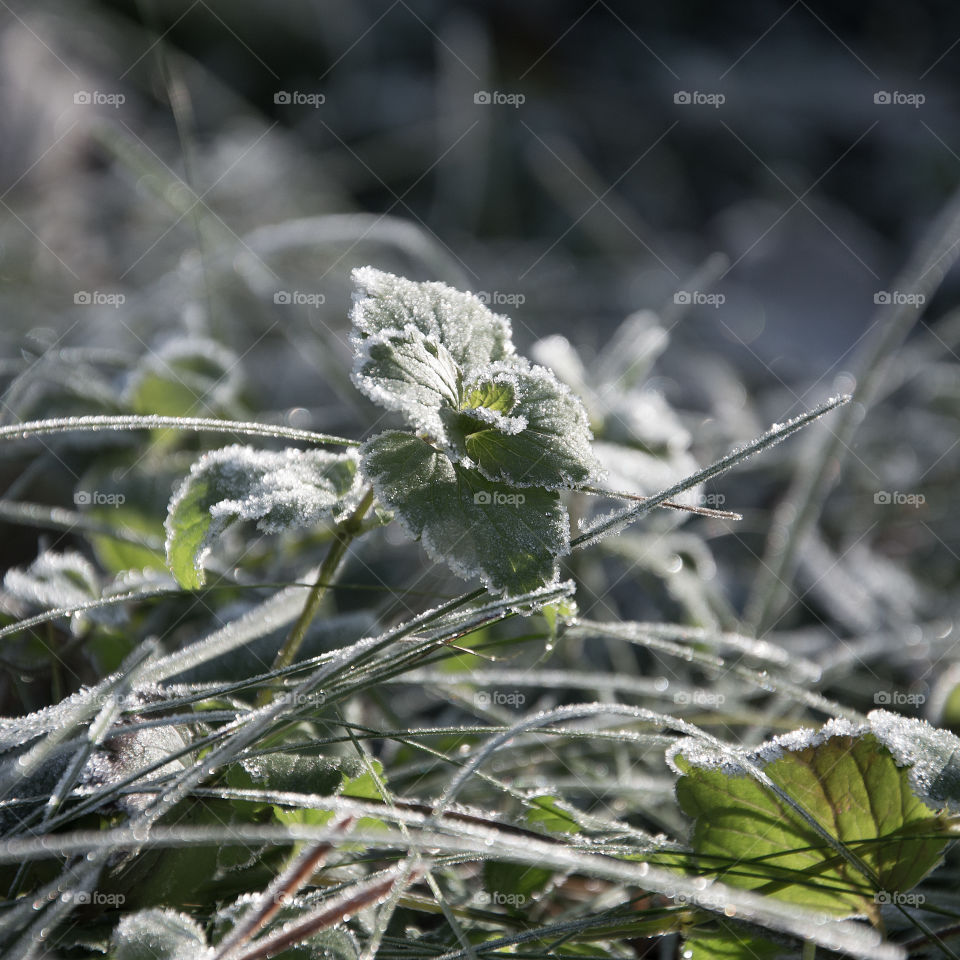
510	539
545	812
158	935
544	442
488	395
847	779
280	490
184	375
364	786
293	772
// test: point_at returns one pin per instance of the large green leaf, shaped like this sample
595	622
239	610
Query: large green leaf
280	490
867	786
510	539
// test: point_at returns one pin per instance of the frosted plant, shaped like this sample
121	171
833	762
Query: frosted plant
59	580
279	490
496	437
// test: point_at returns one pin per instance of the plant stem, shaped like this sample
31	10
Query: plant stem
344	534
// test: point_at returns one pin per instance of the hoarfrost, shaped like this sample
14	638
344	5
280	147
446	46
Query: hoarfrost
932	755
279	490
474	335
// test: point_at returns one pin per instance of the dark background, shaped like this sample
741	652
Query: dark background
599	195
595	197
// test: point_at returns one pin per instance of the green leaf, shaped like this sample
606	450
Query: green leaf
545	812
500	397
510	539
295	772
731	946
280	490
183	376
460	322
158	935
849	782
513	885
364	786
545	440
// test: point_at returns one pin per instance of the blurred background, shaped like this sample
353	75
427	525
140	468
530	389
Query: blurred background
755	175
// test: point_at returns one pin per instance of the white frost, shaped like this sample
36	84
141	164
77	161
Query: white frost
932	755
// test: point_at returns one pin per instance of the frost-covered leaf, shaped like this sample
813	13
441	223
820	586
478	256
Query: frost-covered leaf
159	935
931	755
869	786
125	753
510	539
185	376
297	772
521	426
411	372
280	490
446	362
56	580
473	335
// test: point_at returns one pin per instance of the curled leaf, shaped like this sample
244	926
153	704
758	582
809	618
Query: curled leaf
279	490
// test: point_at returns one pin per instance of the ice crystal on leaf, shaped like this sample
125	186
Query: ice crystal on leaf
784	810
